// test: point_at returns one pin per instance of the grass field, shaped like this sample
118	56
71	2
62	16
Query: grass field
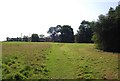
57	61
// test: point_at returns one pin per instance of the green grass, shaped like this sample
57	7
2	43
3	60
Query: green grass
57	61
0	60
25	60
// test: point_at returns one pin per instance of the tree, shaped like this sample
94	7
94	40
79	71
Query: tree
35	38
61	33
54	33
7	38
107	31
42	36
25	38
84	34
67	34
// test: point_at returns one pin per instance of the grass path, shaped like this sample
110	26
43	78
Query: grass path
60	63
67	61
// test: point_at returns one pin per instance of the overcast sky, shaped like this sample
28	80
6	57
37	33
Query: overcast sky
36	16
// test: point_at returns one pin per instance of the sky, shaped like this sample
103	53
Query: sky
37	16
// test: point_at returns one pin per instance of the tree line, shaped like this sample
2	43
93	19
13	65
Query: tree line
107	31
33	38
104	32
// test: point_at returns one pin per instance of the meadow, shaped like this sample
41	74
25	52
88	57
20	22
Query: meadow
28	60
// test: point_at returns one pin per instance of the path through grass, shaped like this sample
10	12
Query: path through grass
57	61
68	61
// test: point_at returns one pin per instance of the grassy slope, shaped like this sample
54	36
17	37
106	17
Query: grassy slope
58	60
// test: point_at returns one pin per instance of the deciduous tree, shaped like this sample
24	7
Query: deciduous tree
35	38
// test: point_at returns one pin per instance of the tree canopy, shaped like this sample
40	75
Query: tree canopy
35	38
84	34
107	31
67	34
61	33
54	33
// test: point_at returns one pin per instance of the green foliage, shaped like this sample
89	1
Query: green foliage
54	33
19	76
67	34
97	41
42	36
35	38
26	38
84	34
61	34
107	31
